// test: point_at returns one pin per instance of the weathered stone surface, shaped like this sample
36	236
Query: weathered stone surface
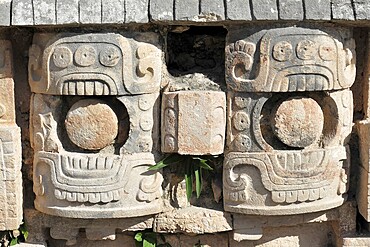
67	11
238	10
304	235
95	64
213	7
253	228
186	9
290	59
264	9
30	245
161	10
278	161
363	191
44	12
193	220
342	10
193	122
90	12
10	146
293	125
206	240
136	11
317	9
65	228
356	241
102	127
113	11
22	13
5	10
291	9
362	9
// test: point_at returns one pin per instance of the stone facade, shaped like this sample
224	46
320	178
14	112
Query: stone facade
272	95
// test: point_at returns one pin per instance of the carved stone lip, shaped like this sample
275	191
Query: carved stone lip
66	172
87	84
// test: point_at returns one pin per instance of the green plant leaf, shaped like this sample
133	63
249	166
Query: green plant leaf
147	243
171	159
14	241
139	237
198	180
189	178
203	164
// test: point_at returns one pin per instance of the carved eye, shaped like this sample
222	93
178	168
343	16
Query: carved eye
282	51
62	57
327	52
109	57
306	49
85	55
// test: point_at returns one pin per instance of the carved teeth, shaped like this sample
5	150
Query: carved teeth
92	197
85	88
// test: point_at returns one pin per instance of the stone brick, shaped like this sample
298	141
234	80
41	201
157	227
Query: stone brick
67	11
22	13
342	10
193	122
317	10
362	9
5	11
10	146
137	11
238	10
186	9
356	241
214	8
291	10
206	240
193	220
161	10
90	12
264	9
113	11
44	12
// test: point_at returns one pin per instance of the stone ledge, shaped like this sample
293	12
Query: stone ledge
56	12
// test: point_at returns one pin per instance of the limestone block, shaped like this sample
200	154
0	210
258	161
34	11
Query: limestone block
29	245
5	11
287	153
342	10
44	12
362	9
22	12
137	11
206	240
356	241
161	10
317	9
95	64
291	9
290	60
264	9
363	191
193	122
68	228
67	11
10	147
193	220
90	11
213	7
113	11
186	9
238	10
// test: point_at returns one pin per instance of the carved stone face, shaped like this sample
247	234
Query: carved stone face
94	124
289	118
